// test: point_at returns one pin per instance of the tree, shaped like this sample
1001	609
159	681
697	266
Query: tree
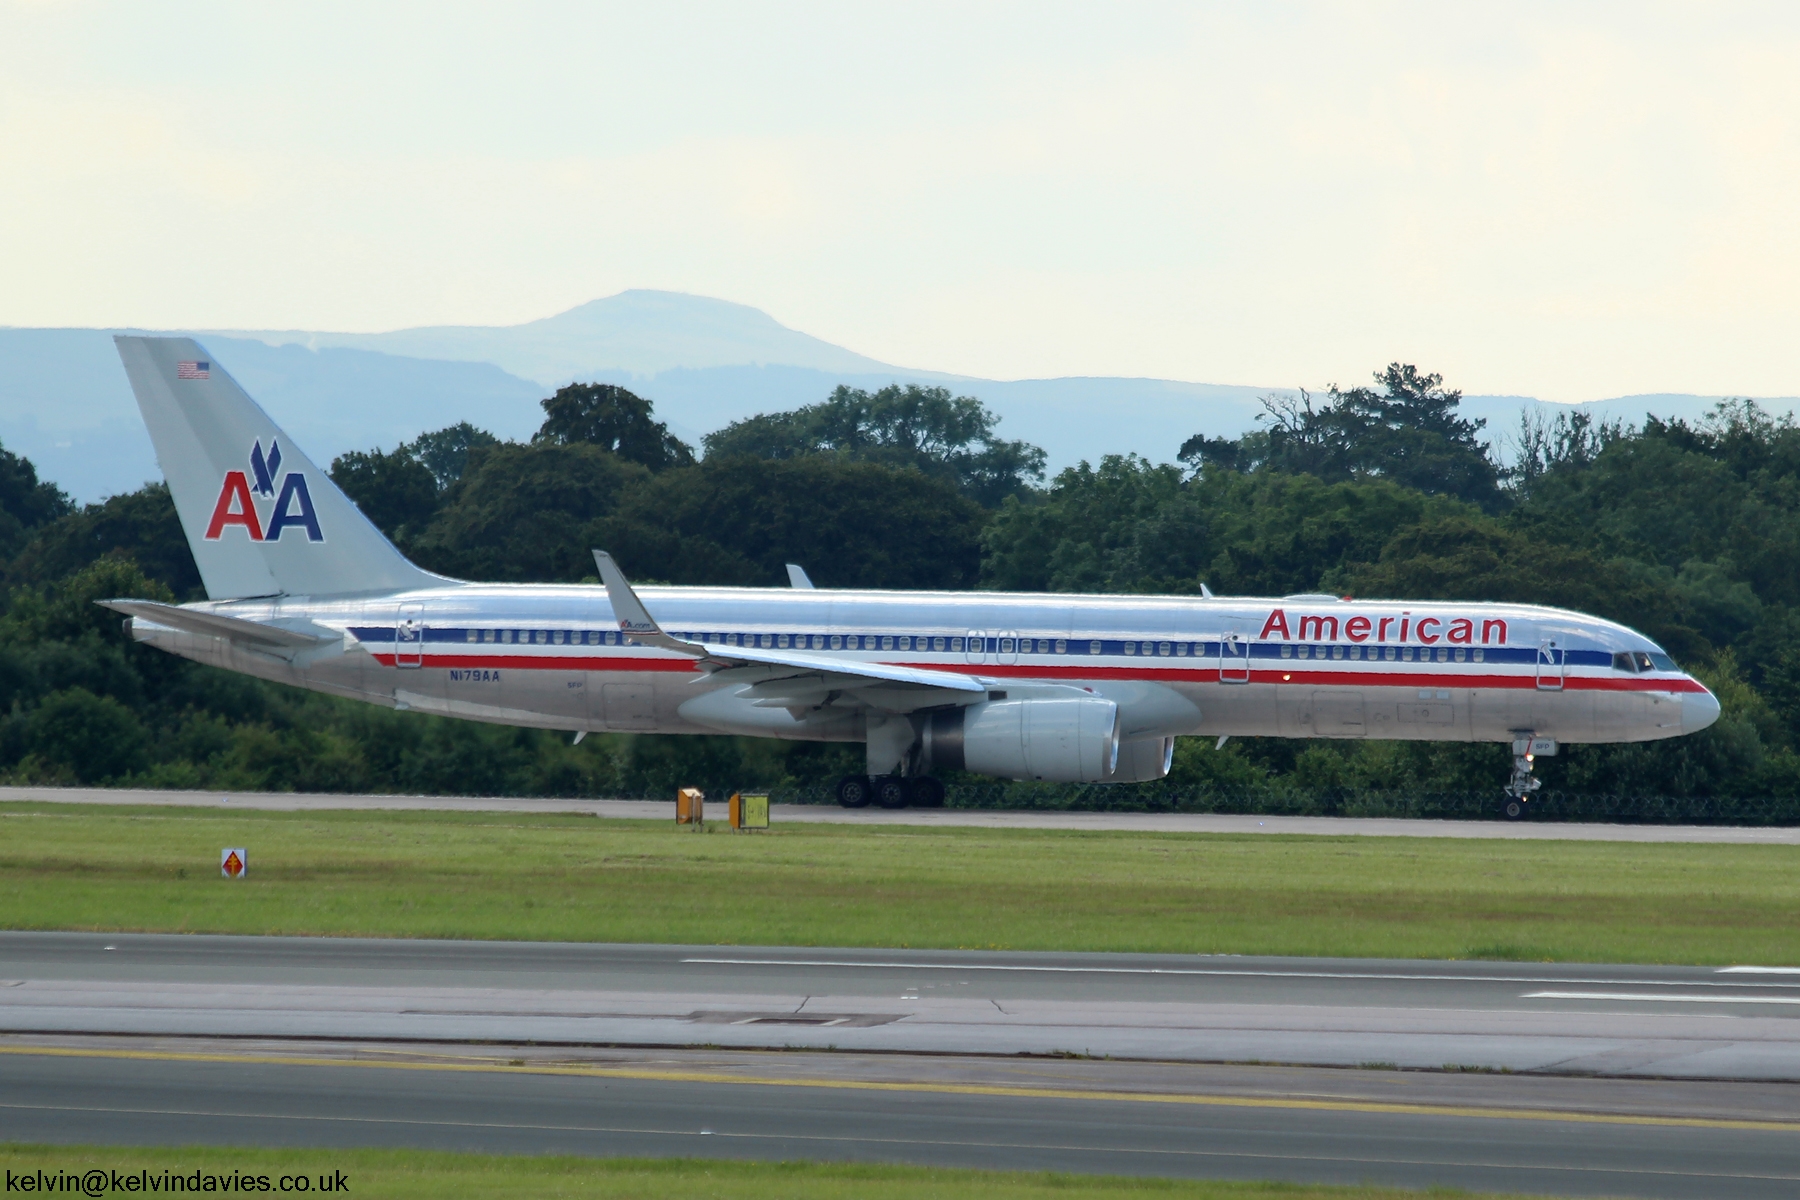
394	489
140	525
445	452
527	512
1408	432
608	416
851	524
26	502
902	426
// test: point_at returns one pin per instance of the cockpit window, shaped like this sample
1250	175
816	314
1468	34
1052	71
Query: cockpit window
1643	661
1624	662
1662	662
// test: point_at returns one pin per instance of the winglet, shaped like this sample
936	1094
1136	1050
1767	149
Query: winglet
797	577
635	621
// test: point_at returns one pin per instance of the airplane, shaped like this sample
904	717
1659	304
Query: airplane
304	590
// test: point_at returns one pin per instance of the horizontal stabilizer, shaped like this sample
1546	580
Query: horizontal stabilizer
191	620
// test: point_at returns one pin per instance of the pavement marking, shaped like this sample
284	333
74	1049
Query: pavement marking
1759	970
952	1089
1662	998
1084	970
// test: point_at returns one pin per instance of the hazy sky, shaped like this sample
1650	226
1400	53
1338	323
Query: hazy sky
1564	200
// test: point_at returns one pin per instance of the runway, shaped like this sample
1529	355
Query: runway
974	818
1668	1022
1565	1137
1631	1080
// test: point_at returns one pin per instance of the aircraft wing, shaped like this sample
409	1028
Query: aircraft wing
190	620
825	671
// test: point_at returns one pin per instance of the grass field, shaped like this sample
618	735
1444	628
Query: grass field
404	1174
557	877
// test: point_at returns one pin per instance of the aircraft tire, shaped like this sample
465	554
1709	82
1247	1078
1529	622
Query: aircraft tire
1513	809
853	791
892	791
927	792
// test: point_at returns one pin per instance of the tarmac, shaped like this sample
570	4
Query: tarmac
944	817
1571	1080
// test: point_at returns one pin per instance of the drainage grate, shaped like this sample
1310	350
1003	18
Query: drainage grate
820	1019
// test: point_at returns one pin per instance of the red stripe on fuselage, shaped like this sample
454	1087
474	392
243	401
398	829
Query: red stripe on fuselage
1075	674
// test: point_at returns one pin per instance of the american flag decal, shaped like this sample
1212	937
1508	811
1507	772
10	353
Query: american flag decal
193	370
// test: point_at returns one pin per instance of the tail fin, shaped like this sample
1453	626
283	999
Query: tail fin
262	520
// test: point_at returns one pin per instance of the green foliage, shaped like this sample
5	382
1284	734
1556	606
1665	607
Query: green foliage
26	502
1686	532
140	525
608	416
1132	526
923	428
445	452
394	490
1408	432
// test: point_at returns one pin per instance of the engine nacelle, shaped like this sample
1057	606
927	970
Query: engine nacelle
1055	739
1143	759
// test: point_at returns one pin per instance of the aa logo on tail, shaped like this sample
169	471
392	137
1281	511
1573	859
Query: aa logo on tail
293	507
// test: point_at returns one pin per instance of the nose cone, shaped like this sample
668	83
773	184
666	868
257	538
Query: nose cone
1698	710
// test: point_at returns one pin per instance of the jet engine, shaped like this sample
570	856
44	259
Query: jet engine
1143	759
1056	739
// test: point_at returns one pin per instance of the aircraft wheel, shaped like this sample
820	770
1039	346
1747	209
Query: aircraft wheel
1514	808
891	791
927	792
853	791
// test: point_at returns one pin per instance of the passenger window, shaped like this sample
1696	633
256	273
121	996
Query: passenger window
1389	654
887	643
1406	653
1460	654
956	644
1443	655
1480	654
1164	649
1337	652
937	643
1131	647
1062	645
837	641
1287	652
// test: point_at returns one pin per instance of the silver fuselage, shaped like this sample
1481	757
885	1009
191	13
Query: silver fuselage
551	656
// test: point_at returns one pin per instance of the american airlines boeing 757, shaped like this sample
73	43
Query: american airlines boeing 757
303	589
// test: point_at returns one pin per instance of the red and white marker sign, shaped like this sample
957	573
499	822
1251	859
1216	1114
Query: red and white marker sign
233	863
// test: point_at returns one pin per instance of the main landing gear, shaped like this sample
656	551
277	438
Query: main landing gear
890	791
1523	784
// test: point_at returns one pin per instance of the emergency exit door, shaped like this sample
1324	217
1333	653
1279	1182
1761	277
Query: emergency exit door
409	636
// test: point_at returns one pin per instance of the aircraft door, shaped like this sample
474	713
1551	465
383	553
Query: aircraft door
1007	652
975	649
409	636
1550	662
1234	659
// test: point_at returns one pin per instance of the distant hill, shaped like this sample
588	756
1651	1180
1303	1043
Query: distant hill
64	402
640	332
